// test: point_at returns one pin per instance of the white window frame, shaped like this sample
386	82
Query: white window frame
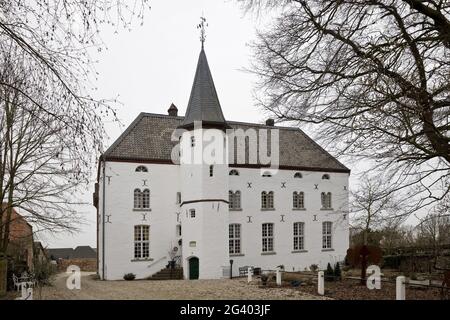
298	199
267	200
327	235
235	242
234	200
299	236
268	237
192	213
141	242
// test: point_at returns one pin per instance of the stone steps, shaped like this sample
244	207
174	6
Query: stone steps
168	274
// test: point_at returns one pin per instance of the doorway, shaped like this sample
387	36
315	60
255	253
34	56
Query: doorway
193	268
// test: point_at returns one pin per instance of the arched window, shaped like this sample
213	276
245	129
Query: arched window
298	175
326	200
141	169
267	200
141	199
266	174
137	198
146	199
234	173
234	200
298	199
326	177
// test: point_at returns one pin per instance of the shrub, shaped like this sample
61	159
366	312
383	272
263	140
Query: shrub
264	279
314	267
337	271
329	273
129	276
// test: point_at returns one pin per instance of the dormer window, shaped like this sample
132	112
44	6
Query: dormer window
141	169
298	175
234	173
326	177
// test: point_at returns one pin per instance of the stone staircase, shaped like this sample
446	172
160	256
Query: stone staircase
168	274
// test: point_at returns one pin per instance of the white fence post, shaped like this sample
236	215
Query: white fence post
321	283
29	294
278	276
400	288
249	275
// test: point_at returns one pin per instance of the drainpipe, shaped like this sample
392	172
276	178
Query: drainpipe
103	219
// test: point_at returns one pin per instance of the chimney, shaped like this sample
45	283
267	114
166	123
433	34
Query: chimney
270	122
173	111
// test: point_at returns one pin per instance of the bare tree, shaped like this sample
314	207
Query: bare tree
39	163
50	124
375	207
373	74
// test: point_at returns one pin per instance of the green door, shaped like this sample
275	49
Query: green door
193	268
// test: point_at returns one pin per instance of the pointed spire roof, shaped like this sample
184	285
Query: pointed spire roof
204	104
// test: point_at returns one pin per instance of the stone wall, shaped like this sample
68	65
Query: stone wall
88	265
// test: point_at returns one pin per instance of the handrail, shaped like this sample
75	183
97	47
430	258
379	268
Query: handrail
155	262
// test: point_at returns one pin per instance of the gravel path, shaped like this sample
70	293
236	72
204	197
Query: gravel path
166	290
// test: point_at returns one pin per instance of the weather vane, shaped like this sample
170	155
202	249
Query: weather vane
202	26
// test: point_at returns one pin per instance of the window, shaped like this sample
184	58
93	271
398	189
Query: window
234	173
235	239
178	230
141	199
298	200
234	200
266	174
299	236
298	175
326	177
146	199
326	235
141	169
192	141
137	198
267	237
141	242
267	200
326	200
211	171
192	213
178	197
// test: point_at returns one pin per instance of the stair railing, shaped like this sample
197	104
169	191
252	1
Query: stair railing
155	262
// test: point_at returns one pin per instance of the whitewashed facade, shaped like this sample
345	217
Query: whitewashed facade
148	205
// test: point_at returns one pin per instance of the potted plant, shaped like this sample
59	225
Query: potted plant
129	276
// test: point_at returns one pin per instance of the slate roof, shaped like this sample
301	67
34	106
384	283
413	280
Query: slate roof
80	252
148	139
203	103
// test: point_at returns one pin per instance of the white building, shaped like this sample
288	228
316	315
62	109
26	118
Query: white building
150	206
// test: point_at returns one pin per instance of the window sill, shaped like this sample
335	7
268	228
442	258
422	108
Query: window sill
326	209
142	210
299	209
143	260
235	209
267	209
299	251
237	254
327	250
271	253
